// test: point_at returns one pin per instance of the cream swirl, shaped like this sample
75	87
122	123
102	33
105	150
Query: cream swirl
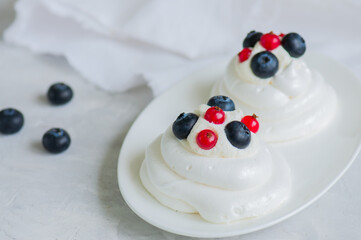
249	170
220	186
296	102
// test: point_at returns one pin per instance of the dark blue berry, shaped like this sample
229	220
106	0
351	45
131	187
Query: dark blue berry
252	38
56	140
11	121
264	64
294	44
183	125
238	134
60	93
223	102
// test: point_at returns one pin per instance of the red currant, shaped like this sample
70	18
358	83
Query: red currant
207	139
215	115
281	35
251	123
270	41
244	54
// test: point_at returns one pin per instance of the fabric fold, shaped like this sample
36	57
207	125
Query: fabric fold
120	44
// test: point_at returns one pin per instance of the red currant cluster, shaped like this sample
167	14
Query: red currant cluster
207	139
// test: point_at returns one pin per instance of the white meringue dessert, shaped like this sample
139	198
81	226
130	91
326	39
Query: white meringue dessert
229	175
293	101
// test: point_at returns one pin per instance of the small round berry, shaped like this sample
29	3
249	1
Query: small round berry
56	140
270	41
215	115
183	125
251	123
206	139
264	64
281	35
223	102
59	93
294	44
251	39
11	121
244	54
238	134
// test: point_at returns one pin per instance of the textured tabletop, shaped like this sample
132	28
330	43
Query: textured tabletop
75	195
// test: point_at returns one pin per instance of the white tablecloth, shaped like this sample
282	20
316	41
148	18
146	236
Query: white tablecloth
75	195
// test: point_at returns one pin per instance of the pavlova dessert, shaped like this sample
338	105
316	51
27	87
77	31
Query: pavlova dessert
213	163
269	77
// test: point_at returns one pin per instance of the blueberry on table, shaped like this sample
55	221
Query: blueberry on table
251	39
264	64
56	140
183	125
11	121
238	134
223	102
294	44
59	93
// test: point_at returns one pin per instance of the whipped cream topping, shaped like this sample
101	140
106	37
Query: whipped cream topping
220	186
296	102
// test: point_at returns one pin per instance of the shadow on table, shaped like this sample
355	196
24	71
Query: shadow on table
113	204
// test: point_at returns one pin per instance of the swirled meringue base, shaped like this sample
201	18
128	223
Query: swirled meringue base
283	117
214	204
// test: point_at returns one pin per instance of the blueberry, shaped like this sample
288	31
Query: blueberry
252	38
183	125
223	102
56	140
238	134
11	121
60	93
294	44
264	64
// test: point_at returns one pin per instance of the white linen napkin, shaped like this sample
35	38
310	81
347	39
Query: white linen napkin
119	44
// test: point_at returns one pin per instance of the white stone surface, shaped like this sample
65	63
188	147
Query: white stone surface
75	195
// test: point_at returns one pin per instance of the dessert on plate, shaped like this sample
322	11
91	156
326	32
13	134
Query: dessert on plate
213	163
270	77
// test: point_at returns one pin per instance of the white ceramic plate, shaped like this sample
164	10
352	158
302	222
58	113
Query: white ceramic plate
316	162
